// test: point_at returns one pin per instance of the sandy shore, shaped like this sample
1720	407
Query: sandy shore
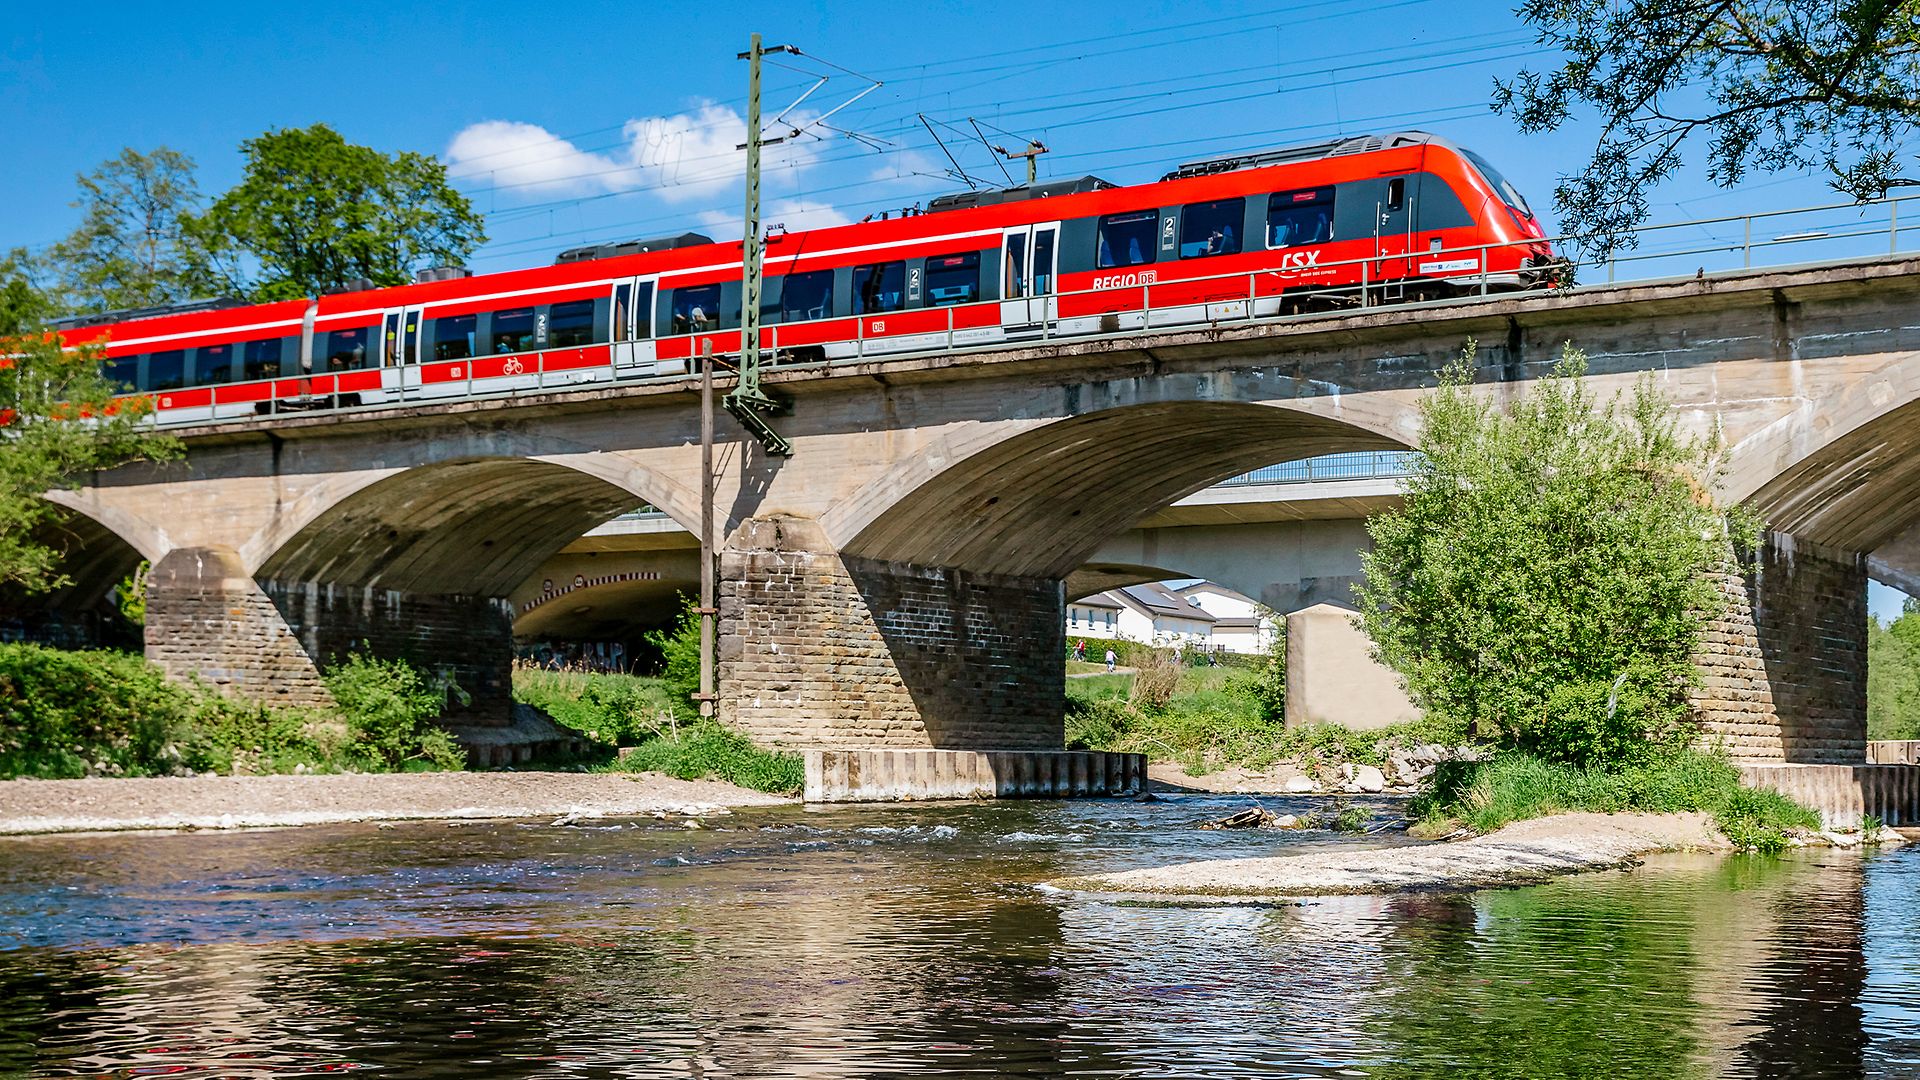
238	802
1523	853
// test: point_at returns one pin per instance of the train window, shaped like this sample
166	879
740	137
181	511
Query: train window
212	364
954	279
1043	262
1397	193
1013	263
167	370
122	371
1300	217
261	359
622	298
1211	228
512	331
880	288
806	296
1507	191
346	350
453	337
696	310
570	325
1127	239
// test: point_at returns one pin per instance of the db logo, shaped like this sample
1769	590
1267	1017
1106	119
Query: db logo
166	403
513	367
879	326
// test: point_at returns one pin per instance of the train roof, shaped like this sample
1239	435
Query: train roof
1357	144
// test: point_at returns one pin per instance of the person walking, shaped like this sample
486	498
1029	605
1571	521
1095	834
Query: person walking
1111	660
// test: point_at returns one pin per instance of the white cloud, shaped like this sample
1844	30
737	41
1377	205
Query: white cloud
680	157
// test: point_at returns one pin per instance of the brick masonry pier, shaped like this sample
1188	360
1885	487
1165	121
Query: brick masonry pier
894	775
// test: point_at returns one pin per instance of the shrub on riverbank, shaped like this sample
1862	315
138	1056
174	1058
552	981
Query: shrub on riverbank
1482	796
66	714
1546	577
708	751
623	710
1218	718
654	720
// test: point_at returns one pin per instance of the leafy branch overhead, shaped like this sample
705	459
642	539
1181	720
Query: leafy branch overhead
1768	85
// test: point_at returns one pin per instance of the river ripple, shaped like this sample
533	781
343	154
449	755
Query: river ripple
915	941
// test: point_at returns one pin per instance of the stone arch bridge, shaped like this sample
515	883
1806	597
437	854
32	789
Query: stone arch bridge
898	581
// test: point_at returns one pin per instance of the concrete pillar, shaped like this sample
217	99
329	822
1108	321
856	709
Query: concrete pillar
823	650
1784	671
1332	677
208	620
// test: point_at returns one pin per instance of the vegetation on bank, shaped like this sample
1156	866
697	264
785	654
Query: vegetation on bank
1481	796
653	720
102	713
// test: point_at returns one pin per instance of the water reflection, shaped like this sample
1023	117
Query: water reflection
912	941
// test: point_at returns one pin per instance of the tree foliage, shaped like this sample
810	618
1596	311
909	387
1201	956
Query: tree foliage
1770	85
1546	577
131	249
24	302
1893	677
59	423
315	213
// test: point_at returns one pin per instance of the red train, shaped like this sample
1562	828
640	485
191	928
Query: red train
1377	219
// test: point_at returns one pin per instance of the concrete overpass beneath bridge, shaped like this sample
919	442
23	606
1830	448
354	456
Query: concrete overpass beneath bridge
899	582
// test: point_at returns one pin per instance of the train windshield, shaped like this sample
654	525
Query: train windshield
1500	183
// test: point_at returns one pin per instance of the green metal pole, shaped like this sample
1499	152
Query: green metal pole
748	403
749	387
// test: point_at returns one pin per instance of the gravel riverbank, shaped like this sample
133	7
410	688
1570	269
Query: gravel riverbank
238	802
1524	853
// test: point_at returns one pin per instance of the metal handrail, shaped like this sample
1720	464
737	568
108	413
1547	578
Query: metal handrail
1243	308
1358	465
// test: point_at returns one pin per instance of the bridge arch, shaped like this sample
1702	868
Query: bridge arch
1039	502
472	526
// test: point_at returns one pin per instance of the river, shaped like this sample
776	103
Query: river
919	940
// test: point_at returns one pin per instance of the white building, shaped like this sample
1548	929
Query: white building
1201	615
1240	623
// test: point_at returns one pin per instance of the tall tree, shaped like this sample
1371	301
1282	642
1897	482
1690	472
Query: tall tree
316	212
1770	85
1546	576
24	301
130	250
59	422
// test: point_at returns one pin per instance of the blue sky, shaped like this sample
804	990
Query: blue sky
572	123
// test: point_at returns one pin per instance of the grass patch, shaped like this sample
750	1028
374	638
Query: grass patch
1483	796
1216	719
623	710
708	751
652	718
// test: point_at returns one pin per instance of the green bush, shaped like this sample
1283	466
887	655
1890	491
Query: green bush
622	710
390	708
679	647
68	714
1545	579
1893	677
710	751
1514	786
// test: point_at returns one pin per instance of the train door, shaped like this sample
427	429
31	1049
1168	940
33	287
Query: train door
1029	262
403	358
633	348
1393	234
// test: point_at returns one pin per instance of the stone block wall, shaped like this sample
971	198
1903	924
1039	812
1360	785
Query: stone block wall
820	650
1784	671
469	638
208	620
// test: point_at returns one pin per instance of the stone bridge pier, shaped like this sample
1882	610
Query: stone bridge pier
823	649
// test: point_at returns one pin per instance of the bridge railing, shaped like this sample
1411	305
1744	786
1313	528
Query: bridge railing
1359	465
1774	238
